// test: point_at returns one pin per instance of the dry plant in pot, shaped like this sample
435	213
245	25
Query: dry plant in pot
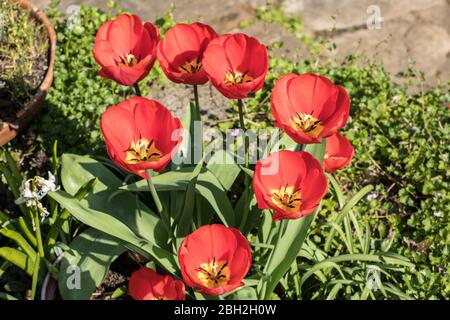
27	56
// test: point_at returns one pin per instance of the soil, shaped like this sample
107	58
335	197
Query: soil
7	203
118	275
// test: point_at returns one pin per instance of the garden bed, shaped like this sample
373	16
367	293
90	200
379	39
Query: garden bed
404	216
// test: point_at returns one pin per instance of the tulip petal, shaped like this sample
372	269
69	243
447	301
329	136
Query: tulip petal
128	122
298	172
235	56
146	284
318	106
339	152
119	38
124	33
215	244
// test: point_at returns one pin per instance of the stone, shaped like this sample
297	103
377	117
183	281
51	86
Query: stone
404	30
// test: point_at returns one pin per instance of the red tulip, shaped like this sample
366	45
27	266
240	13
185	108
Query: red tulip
140	134
180	53
214	259
236	64
290	183
309	107
146	284
339	152
126	49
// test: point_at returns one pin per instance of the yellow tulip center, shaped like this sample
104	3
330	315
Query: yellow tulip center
191	67
129	60
142	151
236	77
308	124
287	199
214	274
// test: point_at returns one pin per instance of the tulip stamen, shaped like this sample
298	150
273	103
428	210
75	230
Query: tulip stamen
191	66
236	77
287	198
214	274
307	123
129	60
142	151
160	298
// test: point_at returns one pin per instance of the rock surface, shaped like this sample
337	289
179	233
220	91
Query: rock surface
400	32
397	32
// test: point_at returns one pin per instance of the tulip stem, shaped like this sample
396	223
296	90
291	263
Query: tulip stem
197	103
37	226
242	126
137	89
154	194
246	164
165	217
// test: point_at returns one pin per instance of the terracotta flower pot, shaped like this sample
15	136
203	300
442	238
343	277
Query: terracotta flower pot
25	114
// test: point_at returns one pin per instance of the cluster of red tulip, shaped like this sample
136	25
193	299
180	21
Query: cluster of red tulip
138	135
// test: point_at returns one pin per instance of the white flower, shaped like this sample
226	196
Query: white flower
371	196
437	214
33	190
235	132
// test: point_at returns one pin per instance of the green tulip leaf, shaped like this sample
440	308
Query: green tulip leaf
223	166
91	254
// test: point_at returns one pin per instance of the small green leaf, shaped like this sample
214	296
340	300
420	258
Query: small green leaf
119	292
